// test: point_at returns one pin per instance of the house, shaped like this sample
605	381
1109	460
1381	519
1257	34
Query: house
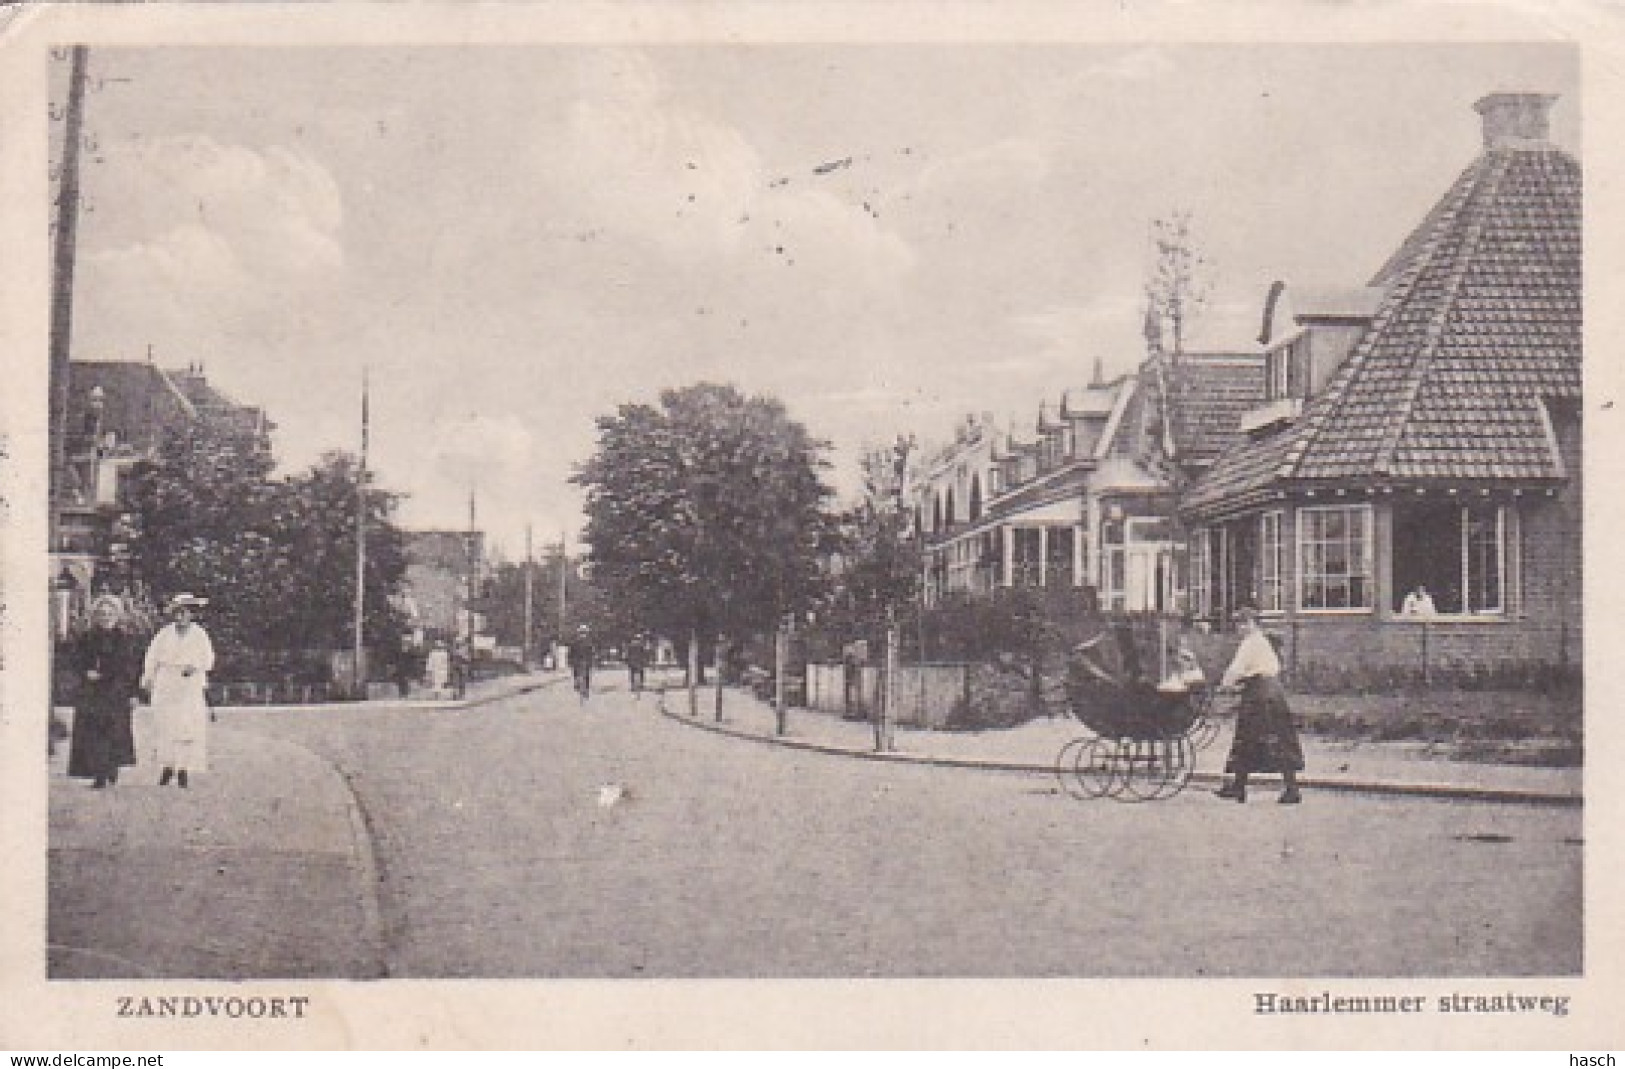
1422	432
117	415
997	509
1087	500
443	574
1183	413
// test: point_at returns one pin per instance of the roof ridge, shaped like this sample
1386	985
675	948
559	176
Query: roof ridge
1484	191
1425	247
180	395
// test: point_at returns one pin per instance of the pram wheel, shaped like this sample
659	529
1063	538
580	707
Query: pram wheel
1155	768
1066	768
1099	768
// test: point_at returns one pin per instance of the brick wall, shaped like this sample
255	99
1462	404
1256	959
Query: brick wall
1359	652
1552	554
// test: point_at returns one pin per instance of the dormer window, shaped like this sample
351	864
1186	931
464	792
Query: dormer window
1286	369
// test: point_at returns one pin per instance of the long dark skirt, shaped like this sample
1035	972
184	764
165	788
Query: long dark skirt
102	739
1266	738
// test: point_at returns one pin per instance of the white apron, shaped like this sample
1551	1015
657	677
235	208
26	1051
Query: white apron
179	712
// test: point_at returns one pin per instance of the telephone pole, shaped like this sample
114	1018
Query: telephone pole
360	677
62	271
473	567
564	562
525	645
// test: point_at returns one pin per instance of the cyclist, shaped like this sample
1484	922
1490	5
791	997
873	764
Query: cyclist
580	656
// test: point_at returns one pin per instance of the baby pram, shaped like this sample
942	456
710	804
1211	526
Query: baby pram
1144	730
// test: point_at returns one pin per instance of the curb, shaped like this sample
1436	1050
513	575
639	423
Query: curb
487	699
1439	791
432	703
365	852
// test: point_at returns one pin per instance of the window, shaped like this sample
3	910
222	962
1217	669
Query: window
1286	370
1058	557
1271	561
1201	573
975	498
1149	529
1026	568
1334	557
1457	553
1275	372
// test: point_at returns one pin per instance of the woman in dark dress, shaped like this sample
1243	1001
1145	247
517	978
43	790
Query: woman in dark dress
1266	738
106	664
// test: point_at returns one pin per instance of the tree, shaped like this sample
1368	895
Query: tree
275	558
311	521
881	555
200	511
705	513
1178	286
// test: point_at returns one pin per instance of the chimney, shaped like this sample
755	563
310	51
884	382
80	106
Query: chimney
1512	120
1100	372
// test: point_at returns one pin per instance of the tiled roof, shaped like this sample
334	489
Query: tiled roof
1063	484
1481	322
138	400
1245	471
1210	392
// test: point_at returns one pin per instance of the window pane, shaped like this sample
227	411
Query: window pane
1484	559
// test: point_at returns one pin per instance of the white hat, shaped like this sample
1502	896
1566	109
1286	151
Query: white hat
186	601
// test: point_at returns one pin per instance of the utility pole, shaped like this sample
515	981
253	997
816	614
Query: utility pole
473	567
886	707
781	661
718	659
62	271
564	563
360	676
694	671
525	655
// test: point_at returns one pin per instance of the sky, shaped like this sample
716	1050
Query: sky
510	242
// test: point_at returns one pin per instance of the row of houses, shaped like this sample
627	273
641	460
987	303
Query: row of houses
1422	430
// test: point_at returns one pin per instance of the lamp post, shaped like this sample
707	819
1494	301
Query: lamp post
98	406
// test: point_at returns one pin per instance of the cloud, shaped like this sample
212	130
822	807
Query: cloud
1066	339
1007	164
643	166
210	242
497	445
278	211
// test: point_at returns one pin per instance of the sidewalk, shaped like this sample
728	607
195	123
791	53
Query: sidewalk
1365	767
261	868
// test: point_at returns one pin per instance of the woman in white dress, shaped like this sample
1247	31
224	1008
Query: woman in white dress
175	674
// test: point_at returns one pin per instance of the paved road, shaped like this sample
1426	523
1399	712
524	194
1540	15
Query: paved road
727	858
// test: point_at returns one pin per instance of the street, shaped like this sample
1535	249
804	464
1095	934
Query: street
535	837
